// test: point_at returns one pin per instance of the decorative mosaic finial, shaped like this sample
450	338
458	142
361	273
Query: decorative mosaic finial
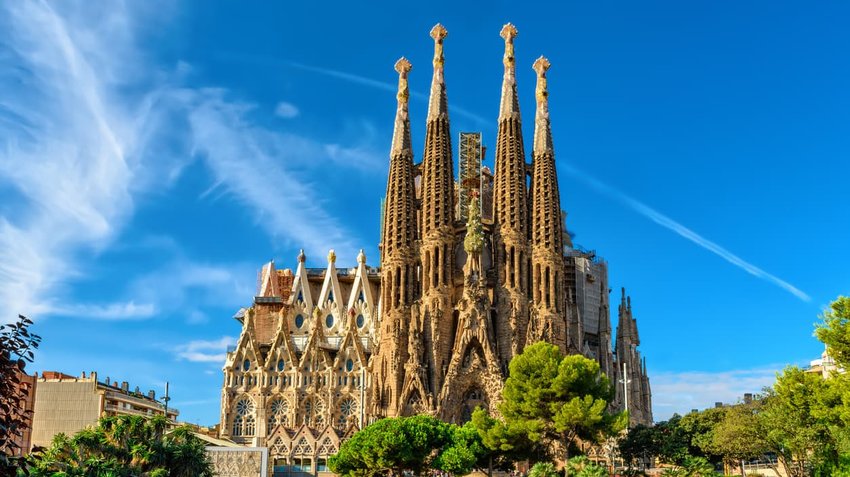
509	32
540	66
301	257
438	33
542	129
437	103
509	106
361	257
401	130
331	256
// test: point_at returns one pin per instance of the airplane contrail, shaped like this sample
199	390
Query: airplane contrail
685	232
373	83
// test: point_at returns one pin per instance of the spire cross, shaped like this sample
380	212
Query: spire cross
438	33
509	32
403	66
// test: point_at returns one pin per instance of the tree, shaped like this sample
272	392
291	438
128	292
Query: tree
395	445
557	399
639	443
699	427
17	347
465	452
789	416
505	443
124	446
673	442
543	469
740	434
834	331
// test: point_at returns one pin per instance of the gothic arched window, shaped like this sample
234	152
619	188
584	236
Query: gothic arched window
278	414
243	422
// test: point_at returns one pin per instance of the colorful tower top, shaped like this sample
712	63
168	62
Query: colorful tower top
438	104
510	102
542	127
401	129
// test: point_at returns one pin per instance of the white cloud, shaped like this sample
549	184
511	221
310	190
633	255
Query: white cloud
680	392
205	351
66	150
88	123
688	234
286	110
109	312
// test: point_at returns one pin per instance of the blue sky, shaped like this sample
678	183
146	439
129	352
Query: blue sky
154	154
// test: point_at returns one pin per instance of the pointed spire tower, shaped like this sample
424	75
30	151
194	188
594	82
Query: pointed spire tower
547	245
398	259
437	215
511	214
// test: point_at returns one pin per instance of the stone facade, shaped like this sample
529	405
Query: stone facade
325	351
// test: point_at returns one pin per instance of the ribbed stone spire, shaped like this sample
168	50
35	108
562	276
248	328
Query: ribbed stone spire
401	129
399	217
547	232
437	217
437	167
510	213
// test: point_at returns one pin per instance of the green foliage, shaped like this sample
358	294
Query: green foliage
581	466
398	444
740	434
124	446
640	442
505	442
543	469
465	452
834	331
474	240
692	467
17	346
551	398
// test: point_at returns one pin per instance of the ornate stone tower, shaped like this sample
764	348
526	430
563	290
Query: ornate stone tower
398	261
548	315
633	391
436	250
511	215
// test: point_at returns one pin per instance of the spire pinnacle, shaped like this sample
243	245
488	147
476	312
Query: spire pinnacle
401	130
510	104
542	127
437	102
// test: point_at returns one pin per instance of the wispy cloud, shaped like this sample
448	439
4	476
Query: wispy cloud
89	122
680	392
382	85
286	110
205	351
66	152
685	232
109	312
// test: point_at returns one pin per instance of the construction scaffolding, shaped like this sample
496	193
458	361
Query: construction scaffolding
469	170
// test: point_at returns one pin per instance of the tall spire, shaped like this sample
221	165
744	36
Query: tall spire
401	129
510	103
547	245
437	219
510	213
398	257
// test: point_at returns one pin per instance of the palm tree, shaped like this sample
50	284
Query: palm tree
124	446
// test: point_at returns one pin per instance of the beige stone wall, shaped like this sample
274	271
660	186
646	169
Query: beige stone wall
63	407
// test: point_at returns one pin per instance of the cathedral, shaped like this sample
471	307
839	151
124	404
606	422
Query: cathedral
468	276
